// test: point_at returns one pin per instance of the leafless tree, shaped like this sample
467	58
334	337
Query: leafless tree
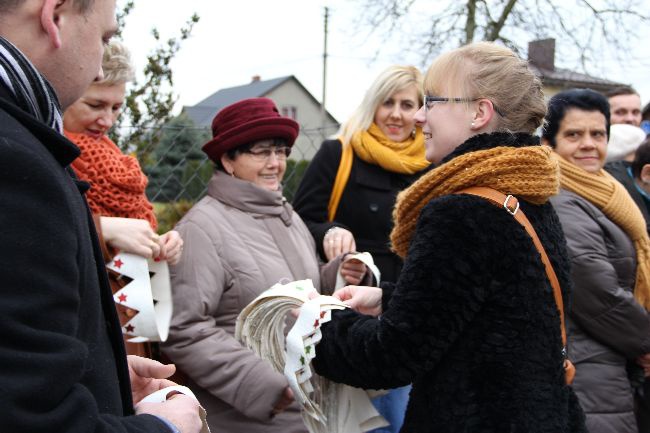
589	28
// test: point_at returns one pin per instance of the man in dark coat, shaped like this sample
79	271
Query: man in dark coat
62	363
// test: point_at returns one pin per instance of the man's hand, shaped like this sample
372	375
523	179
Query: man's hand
364	299
148	376
179	409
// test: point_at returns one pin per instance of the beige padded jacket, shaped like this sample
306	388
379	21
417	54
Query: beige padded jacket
239	240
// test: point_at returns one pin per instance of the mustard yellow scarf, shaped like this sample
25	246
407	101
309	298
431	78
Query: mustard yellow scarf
608	195
529	173
406	157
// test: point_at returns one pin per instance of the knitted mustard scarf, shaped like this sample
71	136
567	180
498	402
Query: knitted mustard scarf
608	195
406	157
529	173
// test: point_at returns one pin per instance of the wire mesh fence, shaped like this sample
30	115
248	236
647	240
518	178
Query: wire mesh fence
179	171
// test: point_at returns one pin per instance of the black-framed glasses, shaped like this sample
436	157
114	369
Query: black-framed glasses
430	100
264	153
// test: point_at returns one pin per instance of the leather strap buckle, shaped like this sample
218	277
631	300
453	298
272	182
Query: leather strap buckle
511	208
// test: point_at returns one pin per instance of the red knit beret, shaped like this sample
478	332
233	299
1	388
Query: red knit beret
248	121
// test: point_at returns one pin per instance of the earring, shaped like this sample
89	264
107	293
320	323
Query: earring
473	125
413	132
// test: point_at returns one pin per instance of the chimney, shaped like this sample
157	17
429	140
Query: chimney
256	78
541	53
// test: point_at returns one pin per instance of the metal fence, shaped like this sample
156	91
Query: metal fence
179	171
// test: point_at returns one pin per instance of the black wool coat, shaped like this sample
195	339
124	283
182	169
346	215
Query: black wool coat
365	208
472	321
62	360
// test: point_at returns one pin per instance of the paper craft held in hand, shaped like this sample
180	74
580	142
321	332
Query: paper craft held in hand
145	302
326	407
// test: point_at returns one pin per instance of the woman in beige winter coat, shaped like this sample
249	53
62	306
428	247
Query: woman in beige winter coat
240	239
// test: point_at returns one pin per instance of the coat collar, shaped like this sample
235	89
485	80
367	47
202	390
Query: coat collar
489	141
63	150
248	197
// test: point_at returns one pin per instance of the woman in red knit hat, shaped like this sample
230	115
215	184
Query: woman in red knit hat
242	238
124	217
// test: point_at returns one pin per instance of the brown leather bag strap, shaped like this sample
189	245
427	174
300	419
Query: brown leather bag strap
511	205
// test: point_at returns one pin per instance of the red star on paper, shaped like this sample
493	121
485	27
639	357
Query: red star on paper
316	323
118	263
129	328
122	298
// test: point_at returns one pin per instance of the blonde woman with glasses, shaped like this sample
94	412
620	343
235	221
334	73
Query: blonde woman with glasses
472	321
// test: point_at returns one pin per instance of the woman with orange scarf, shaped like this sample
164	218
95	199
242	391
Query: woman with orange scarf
347	194
123	215
609	325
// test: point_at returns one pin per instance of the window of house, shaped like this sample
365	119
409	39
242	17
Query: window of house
290	111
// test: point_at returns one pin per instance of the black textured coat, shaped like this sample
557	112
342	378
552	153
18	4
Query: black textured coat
472	322
62	361
365	208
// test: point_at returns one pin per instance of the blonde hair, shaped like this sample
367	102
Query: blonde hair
116	64
391	80
487	70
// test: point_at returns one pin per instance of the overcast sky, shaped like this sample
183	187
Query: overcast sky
235	40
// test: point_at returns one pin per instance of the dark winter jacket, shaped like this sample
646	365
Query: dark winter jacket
365	208
62	361
472	322
607	328
619	169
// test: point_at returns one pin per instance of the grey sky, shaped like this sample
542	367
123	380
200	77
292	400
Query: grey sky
235	40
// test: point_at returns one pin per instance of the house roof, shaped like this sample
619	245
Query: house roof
203	112
566	78
541	57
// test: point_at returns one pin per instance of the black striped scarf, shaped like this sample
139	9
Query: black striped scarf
31	91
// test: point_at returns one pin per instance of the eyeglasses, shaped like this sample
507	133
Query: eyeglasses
430	100
264	154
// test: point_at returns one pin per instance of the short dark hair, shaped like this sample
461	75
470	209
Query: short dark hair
81	5
621	90
641	158
581	99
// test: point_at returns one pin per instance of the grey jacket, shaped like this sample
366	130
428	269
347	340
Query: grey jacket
607	329
239	240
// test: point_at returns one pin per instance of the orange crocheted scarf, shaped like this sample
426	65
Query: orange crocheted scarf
117	182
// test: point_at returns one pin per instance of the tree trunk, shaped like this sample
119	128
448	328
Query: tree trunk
470	25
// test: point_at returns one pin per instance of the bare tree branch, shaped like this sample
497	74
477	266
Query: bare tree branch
587	29
470	27
495	30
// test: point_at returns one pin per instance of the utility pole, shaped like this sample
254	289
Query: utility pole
322	107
